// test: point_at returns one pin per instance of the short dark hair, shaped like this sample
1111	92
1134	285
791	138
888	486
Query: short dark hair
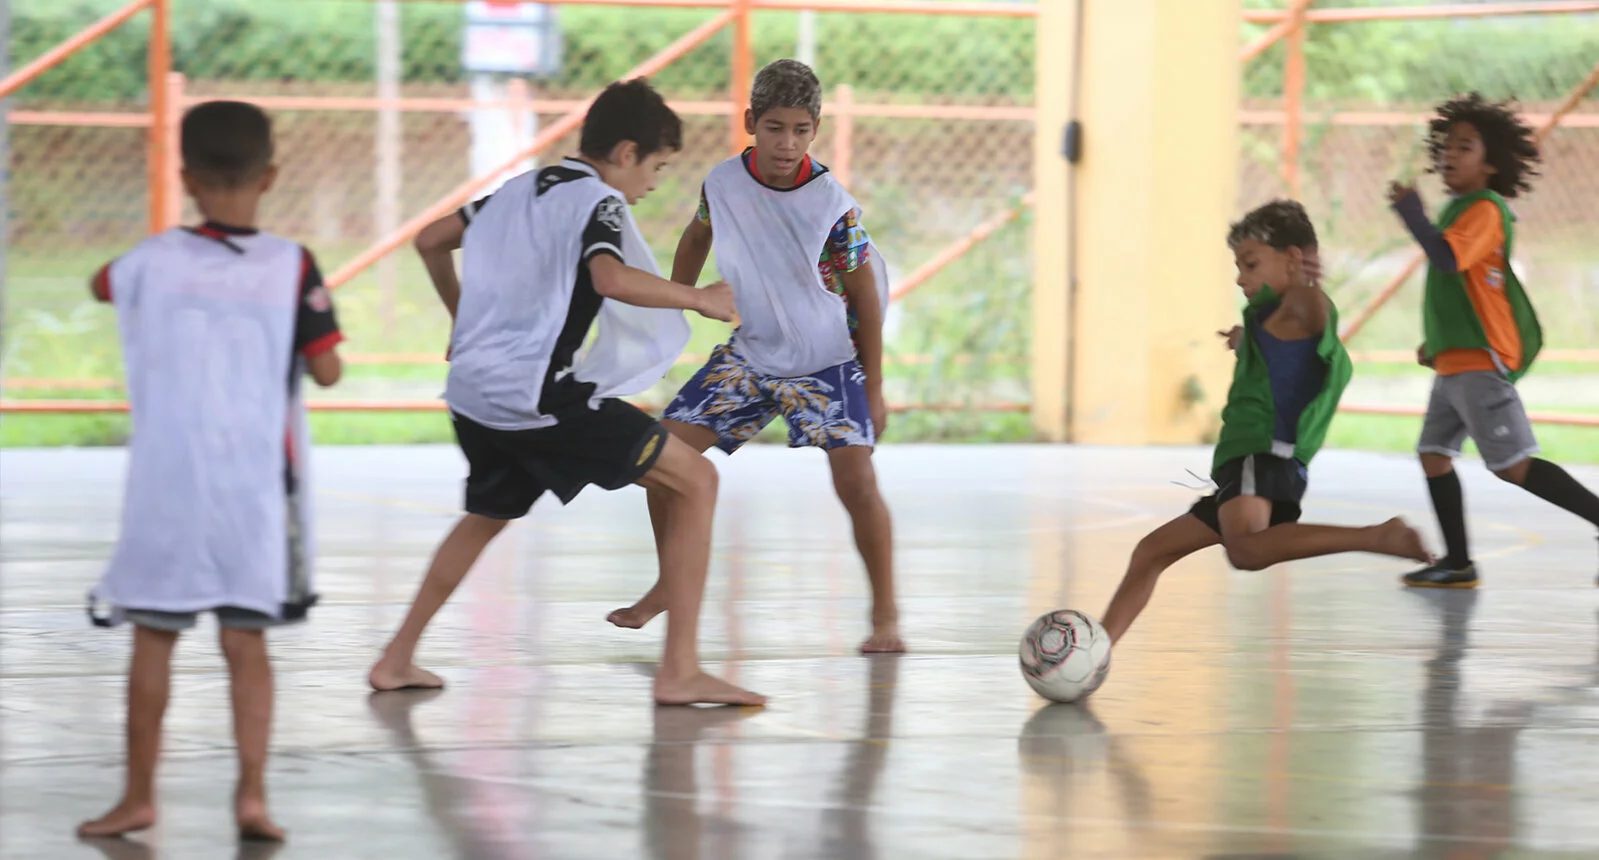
630	111
1281	224
226	144
786	84
1507	142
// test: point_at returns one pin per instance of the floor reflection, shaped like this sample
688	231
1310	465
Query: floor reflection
1317	711
674	825
1466	806
848	824
450	799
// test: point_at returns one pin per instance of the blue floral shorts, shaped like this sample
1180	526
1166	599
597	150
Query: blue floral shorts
829	409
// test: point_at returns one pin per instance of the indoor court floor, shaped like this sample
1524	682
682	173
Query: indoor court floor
1316	710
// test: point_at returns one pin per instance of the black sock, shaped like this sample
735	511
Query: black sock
1555	485
1450	506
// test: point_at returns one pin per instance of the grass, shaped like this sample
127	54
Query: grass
1397	434
978	306
1574	445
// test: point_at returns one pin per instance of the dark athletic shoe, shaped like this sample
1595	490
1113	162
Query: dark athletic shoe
1442	576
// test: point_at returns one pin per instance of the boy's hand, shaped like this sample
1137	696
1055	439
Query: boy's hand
1234	336
1310	268
879	409
716	302
1421	356
1398	191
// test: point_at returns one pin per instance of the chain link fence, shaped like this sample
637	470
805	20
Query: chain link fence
927	118
1370	87
931	129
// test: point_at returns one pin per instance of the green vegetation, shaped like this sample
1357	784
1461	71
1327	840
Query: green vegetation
1572	445
964	335
1531	57
330	42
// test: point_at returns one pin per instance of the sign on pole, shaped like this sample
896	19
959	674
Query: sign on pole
511	38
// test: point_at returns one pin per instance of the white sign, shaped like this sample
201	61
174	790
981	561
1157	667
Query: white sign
511	37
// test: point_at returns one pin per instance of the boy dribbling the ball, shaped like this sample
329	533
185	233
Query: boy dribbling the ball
1290	373
218	324
1481	333
811	292
536	410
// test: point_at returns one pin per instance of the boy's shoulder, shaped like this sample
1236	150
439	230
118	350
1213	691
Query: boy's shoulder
175	245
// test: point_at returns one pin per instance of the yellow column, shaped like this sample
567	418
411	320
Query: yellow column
1056	31
1129	355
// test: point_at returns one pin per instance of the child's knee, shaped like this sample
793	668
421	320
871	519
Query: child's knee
240	645
701	480
854	479
1150	557
1437	465
1244	555
856	489
1515	474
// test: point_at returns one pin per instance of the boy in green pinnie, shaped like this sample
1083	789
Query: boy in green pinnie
1291	371
1481	334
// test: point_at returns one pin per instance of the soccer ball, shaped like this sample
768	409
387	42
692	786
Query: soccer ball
1065	655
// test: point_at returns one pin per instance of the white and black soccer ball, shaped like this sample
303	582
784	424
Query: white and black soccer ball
1065	655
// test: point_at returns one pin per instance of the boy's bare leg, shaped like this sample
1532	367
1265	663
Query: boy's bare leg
1254	544
687	482
397	669
149	683
250	676
653	602
855	481
1159	550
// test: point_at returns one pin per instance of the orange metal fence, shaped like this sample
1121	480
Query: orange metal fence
985	133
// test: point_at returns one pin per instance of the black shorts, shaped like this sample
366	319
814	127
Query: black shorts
609	447
1280	480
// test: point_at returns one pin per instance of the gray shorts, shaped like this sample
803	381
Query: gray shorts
229	617
1485	406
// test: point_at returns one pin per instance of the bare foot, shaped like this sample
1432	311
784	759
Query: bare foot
386	678
1397	538
634	617
125	818
254	823
884	640
703	689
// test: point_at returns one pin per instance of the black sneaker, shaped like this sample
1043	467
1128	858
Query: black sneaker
1442	576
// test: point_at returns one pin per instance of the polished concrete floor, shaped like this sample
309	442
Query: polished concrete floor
1315	710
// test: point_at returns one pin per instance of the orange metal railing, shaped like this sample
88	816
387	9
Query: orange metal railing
559	129
168	99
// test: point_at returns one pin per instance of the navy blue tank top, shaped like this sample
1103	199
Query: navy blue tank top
1296	372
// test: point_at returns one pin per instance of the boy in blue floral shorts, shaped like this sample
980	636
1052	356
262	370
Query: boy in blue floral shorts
810	293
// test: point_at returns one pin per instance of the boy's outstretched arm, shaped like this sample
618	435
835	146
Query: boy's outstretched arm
436	245
614	279
861	287
1407	205
1307	302
602	244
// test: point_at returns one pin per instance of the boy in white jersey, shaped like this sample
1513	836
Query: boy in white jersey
218	324
809	345
535	411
